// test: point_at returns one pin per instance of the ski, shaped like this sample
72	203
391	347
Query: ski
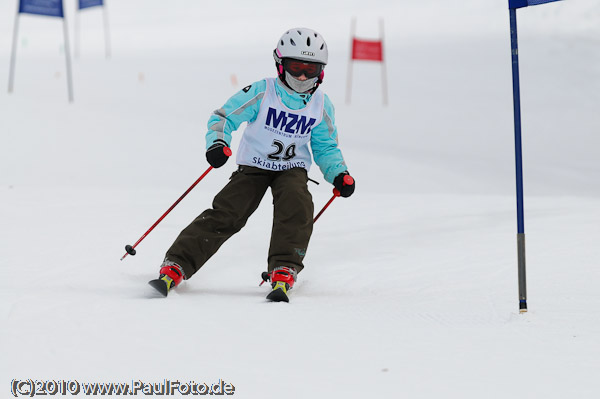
160	286
278	295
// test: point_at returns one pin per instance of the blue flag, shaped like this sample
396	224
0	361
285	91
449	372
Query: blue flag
52	8
525	3
90	3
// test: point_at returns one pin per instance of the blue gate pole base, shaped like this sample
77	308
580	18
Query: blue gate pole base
523	306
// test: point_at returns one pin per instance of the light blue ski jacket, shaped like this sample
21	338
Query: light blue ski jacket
244	106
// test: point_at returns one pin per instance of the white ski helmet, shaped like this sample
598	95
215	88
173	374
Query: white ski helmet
302	44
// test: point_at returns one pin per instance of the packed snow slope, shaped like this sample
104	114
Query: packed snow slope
410	285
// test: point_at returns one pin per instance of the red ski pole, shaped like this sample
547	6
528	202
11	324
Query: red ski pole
348	180
131	248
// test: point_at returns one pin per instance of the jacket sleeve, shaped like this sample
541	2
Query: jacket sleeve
242	107
324	144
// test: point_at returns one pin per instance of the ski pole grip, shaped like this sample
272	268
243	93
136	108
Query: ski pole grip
227	151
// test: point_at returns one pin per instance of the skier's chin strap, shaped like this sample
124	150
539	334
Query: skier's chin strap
319	81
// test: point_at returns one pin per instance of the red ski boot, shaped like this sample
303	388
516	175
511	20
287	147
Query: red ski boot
171	275
282	280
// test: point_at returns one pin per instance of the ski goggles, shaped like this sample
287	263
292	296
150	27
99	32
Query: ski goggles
297	68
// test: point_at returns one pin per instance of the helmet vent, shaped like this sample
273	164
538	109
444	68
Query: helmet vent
292	42
322	45
282	43
300	33
308	41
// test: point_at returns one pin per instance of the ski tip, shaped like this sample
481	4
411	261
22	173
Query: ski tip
278	296
160	286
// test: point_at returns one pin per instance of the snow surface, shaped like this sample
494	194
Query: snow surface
410	285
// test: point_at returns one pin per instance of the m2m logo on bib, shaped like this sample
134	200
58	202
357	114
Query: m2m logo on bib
285	122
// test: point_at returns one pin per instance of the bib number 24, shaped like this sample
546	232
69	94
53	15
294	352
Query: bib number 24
281	152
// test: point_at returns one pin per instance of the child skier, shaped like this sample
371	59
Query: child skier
286	115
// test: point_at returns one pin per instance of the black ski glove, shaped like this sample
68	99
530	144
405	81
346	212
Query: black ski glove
345	184
216	155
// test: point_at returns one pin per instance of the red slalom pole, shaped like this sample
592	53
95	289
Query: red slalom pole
131	248
348	180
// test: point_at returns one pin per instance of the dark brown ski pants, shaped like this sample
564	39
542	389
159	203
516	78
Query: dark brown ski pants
233	205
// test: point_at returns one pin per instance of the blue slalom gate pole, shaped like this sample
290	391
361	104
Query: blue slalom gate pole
518	163
513	5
